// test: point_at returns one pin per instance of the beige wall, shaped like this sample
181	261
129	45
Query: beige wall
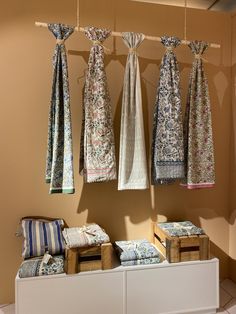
232	217
25	63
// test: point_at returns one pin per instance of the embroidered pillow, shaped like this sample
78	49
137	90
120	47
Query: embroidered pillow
42	236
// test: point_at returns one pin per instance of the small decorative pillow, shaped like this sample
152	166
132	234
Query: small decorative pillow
42	236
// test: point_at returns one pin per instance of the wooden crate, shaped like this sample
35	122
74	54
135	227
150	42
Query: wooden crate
181	248
89	258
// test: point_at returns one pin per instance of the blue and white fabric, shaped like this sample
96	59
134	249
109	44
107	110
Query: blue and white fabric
59	167
180	229
38	267
144	261
136	250
167	143
41	237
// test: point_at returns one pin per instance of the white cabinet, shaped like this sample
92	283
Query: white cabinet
190	287
72	294
182	288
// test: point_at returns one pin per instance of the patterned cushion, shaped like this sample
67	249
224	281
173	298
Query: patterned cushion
42	236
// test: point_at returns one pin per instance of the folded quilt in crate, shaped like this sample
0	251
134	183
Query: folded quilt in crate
43	266
135	250
180	229
90	235
143	261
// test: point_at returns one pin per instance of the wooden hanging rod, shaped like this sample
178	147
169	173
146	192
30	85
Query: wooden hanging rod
119	34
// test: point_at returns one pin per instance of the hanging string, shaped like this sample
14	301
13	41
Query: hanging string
60	41
77	13
198	56
99	43
185	20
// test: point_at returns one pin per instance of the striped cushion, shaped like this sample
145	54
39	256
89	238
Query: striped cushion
42	236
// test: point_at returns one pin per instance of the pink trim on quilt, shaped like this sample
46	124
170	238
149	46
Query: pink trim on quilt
198	185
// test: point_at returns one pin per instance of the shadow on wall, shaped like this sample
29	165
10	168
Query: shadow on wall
223	257
232	216
233	151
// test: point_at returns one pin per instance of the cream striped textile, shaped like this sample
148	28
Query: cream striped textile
132	161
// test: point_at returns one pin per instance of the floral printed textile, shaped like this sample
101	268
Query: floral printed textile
167	144
180	229
90	235
135	250
199	150
59	168
97	148
144	261
37	267
133	164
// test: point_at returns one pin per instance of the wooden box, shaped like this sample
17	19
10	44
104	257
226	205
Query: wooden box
89	258
181	248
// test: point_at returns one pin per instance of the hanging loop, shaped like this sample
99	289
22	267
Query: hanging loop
99	43
60	41
133	50
78	13
198	56
185	20
169	48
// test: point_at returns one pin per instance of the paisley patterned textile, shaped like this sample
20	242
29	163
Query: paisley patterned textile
135	250
167	144
90	235
180	229
38	267
59	168
97	147
199	150
133	163
144	261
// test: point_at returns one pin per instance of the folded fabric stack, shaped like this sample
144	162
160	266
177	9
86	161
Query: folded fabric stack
180	229
42	266
137	252
90	235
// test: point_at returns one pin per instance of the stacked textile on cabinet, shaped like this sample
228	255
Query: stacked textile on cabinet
180	228
42	266
137	252
90	235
